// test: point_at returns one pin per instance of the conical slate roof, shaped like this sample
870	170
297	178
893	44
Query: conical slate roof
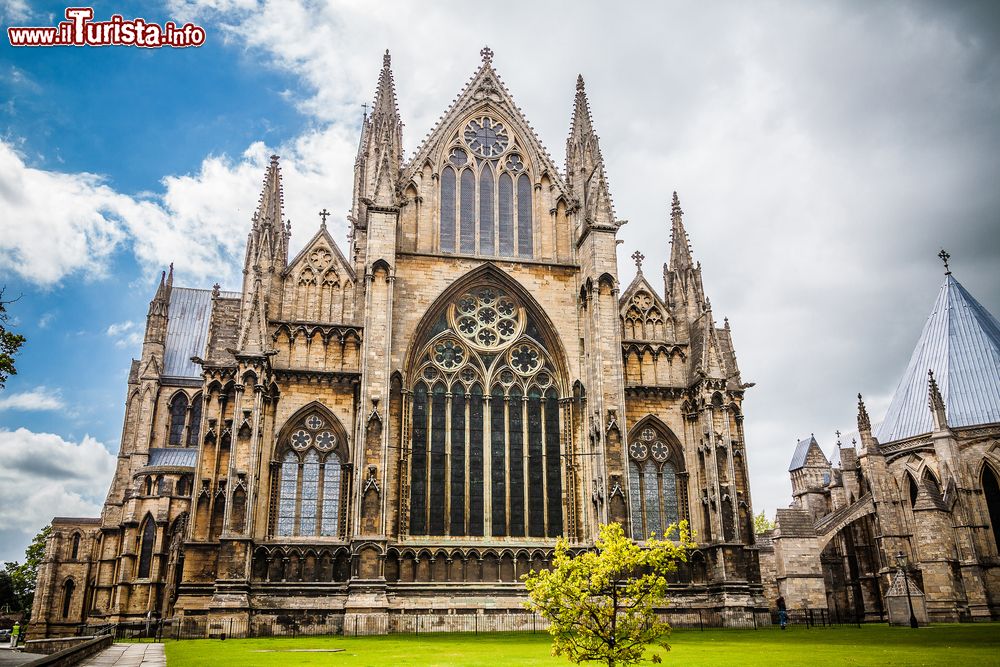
961	344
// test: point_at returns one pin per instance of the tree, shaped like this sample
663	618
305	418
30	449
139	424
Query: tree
22	576
761	524
602	603
10	343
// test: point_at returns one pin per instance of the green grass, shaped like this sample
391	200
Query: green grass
953	645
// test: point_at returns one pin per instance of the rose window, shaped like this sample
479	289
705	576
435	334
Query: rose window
660	451
648	434
514	163
314	422
638	451
326	440
448	355
486	137
525	359
301	439
487	319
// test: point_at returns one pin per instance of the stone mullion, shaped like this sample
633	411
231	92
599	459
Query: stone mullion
734	490
642	499
525	461
468	440
569	476
253	466
405	443
321	495
427	461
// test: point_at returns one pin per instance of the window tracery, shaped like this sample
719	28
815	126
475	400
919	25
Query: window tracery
486	193
657	496
309	472
485	454
644	320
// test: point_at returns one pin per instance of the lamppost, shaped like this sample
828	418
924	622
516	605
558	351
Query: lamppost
901	564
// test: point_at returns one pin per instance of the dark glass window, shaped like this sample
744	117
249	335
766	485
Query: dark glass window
194	423
498	468
552	461
457	518
418	464
506	210
178	413
468	212
146	548
536	468
448	210
524	226
476	461
516	412
486	211
437	489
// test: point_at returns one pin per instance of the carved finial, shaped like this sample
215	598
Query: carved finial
386	59
487	55
274	159
579	83
324	214
864	422
944	258
675	207
637	257
838	436
216	288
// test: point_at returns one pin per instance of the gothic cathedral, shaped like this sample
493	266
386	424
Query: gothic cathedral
407	427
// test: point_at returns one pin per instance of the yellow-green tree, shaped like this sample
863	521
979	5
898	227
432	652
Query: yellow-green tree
601	604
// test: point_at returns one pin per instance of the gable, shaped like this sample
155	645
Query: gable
319	283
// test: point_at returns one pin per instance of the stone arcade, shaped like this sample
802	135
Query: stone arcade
408	427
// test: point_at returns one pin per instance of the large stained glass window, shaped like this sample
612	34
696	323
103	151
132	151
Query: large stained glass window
308	481
485	394
494	216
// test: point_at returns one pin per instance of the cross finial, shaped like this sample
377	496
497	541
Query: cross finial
365	112
386	59
324	214
944	258
638	257
487	55
838	435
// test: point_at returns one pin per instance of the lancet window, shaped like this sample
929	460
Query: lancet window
485	454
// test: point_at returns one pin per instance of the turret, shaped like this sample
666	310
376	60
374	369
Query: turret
585	166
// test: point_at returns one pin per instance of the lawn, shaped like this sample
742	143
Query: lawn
953	645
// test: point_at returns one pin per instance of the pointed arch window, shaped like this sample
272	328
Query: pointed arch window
194	422
308	476
75	549
146	543
656	488
178	415
68	587
485	453
494	196
991	491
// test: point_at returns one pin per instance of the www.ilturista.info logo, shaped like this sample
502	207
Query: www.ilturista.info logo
80	30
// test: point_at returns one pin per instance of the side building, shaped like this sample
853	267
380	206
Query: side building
922	490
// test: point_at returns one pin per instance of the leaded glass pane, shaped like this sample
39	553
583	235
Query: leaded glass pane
310	494
486	211
437	489
635	495
286	495
331	497
146	549
506	209
448	210
498	468
476	461
524	226
553	472
418	463
194	423
669	493
468	212
536	469
515	409
457	518
178	410
651	496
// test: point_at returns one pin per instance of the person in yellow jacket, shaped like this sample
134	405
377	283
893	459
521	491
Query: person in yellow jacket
15	634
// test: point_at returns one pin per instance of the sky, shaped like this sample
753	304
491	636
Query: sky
823	154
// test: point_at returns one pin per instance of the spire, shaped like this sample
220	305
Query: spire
869	443
680	247
585	165
936	403
380	152
267	245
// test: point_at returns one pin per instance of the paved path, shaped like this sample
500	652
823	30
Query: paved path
9	658
129	655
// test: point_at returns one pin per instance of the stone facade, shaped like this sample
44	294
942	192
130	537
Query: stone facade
410	425
924	484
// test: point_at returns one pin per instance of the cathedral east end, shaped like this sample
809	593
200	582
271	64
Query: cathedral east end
407	425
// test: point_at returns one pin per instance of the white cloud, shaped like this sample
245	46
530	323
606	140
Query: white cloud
37	399
14	10
118	328
45	320
43	475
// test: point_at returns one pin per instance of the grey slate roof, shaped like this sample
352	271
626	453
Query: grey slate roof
801	451
961	344
173	456
187	327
